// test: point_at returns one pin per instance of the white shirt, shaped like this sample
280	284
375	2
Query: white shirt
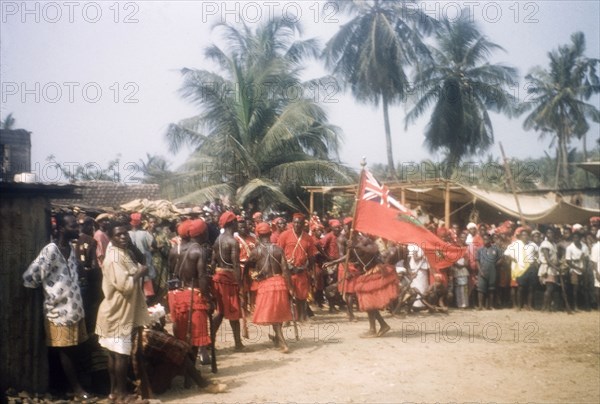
58	278
577	255
522	254
545	268
552	252
595	257
469	239
595	254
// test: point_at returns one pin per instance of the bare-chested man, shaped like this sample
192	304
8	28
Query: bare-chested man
376	287
274	287
189	263
227	280
247	242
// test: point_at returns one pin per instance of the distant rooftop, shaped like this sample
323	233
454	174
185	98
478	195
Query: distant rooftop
109	195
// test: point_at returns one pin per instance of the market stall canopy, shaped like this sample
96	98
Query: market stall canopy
590	166
542	209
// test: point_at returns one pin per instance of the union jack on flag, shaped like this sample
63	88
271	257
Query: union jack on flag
374	191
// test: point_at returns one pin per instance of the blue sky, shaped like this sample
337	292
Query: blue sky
93	79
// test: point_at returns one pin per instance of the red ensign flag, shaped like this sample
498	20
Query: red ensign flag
379	214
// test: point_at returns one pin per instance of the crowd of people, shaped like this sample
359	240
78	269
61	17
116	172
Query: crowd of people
100	276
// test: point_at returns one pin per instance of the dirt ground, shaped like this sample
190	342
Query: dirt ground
464	356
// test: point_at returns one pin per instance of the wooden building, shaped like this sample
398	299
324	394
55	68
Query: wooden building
24	231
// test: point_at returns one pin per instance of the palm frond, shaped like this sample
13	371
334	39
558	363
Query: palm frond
267	190
208	193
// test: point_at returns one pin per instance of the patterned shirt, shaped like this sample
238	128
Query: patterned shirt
58	278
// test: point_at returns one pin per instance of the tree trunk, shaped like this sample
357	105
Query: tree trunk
563	139
564	177
585	157
558	160
388	139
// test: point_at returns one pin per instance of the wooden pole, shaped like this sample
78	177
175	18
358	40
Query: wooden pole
447	205
511	183
403	196
311	203
363	164
304	206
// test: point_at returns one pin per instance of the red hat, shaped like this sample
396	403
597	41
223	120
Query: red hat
347	220
334	223
196	227
183	228
263	229
299	216
227	217
136	218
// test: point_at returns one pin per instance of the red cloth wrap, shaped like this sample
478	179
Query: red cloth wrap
179	306
272	302
319	281
350	284
377	288
226	291
301	285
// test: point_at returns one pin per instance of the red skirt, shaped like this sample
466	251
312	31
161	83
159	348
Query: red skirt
226	291
504	280
301	285
272	302
377	288
347	285
319	282
179	306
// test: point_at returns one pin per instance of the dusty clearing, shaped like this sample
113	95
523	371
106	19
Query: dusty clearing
465	356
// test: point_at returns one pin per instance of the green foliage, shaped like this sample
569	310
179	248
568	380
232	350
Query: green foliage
8	122
91	171
461	86
558	106
155	169
369	52
251	140
490	174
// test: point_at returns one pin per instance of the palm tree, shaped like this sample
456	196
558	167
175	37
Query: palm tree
559	94
370	51
252	138
8	123
155	169
462	86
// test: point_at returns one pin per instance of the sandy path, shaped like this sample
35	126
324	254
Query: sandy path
466	356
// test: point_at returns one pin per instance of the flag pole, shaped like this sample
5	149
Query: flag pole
363	164
511	183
